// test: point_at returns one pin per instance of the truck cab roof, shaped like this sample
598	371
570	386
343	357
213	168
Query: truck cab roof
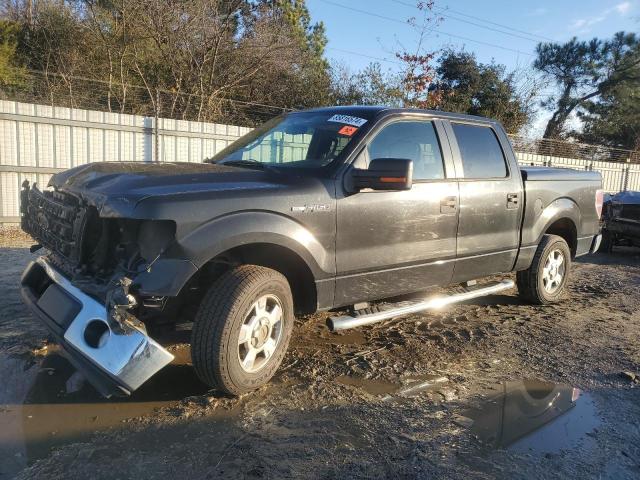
373	111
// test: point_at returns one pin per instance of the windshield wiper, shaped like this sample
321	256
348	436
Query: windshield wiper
247	163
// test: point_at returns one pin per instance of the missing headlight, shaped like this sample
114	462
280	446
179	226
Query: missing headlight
154	237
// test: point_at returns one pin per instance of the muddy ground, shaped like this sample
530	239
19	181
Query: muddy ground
438	395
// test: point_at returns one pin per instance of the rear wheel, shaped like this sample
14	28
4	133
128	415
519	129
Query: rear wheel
242	329
546	279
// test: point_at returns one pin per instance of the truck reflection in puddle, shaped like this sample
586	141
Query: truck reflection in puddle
534	416
43	415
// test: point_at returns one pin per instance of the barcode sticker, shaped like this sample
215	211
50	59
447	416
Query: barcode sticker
348	119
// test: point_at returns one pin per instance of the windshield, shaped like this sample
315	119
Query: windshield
307	139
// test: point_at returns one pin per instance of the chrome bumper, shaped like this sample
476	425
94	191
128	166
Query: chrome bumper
125	355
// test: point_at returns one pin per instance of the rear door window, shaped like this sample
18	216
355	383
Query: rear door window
482	156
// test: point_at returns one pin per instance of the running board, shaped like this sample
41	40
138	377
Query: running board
349	321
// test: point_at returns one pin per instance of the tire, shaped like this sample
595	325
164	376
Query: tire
543	287
242	301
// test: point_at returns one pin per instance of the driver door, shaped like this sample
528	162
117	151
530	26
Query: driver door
395	242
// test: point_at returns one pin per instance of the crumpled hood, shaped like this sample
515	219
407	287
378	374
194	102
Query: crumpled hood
115	188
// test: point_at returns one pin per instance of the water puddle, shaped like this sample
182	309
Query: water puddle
410	386
417	384
37	413
532	416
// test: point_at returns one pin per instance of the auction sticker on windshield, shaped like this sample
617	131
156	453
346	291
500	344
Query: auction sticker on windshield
347	130
348	119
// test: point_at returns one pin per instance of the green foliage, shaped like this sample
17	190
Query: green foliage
307	82
460	84
572	64
11	73
370	86
180	59
466	86
456	82
585	71
614	120
311	36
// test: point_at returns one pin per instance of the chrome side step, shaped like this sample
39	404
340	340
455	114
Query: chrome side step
348	321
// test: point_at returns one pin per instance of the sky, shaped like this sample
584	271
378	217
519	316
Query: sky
495	30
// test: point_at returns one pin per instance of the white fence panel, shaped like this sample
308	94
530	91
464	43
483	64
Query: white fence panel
37	141
614	175
633	176
530	159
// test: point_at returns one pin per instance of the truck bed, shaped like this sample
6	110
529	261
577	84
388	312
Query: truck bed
539	174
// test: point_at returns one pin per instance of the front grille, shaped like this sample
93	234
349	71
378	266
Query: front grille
55	219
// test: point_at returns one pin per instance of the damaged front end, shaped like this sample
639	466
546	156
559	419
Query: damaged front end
116	355
621	220
96	285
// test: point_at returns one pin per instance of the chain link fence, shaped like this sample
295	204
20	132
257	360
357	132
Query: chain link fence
620	169
561	149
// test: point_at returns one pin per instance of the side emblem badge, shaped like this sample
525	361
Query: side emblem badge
311	208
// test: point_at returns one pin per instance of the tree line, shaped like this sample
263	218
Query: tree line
185	59
242	61
599	82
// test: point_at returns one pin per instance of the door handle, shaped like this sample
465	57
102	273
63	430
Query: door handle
512	201
448	204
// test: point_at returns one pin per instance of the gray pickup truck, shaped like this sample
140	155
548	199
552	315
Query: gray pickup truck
332	208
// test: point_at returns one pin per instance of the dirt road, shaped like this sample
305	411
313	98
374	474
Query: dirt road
441	395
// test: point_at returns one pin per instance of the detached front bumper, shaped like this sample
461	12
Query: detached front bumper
115	359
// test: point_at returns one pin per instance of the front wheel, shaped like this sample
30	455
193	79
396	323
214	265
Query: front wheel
242	329
546	279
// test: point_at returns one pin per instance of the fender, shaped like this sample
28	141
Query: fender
556	210
242	228
561	208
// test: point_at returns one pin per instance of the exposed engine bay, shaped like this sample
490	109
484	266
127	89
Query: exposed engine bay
94	252
100	256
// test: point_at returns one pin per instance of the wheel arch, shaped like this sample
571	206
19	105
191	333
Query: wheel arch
243	228
265	239
561	217
276	257
567	229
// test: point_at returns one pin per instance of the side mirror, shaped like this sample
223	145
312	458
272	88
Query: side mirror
385	174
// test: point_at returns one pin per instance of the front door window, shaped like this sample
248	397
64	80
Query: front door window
413	140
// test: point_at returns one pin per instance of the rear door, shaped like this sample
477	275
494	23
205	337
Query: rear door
490	189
